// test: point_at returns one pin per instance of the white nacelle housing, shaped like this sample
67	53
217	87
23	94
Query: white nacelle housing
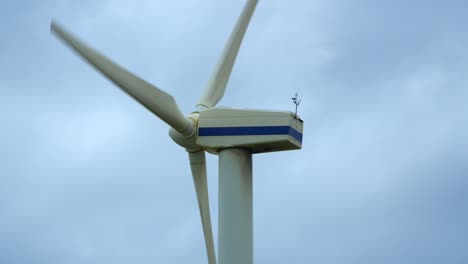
258	130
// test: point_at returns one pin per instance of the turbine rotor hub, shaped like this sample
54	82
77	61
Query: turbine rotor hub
188	142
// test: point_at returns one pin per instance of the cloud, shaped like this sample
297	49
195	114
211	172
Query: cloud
90	176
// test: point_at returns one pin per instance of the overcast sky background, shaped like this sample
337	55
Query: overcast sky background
89	176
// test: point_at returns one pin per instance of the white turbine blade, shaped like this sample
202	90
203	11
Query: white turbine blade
198	166
154	99
220	76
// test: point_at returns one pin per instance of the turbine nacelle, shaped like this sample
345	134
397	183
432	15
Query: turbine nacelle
257	130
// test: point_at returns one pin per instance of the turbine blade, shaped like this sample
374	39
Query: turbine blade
214	91
154	99
198	166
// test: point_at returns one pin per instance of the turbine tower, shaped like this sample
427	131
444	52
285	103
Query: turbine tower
232	134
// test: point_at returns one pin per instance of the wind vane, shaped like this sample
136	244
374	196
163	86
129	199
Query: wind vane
296	101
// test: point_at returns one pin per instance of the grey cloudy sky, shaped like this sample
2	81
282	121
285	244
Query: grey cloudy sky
90	176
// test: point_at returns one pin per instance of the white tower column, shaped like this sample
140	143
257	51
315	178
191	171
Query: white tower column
235	219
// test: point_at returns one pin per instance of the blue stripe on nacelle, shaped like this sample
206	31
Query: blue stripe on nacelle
250	131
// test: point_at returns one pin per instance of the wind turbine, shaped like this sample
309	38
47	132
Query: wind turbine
232	134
